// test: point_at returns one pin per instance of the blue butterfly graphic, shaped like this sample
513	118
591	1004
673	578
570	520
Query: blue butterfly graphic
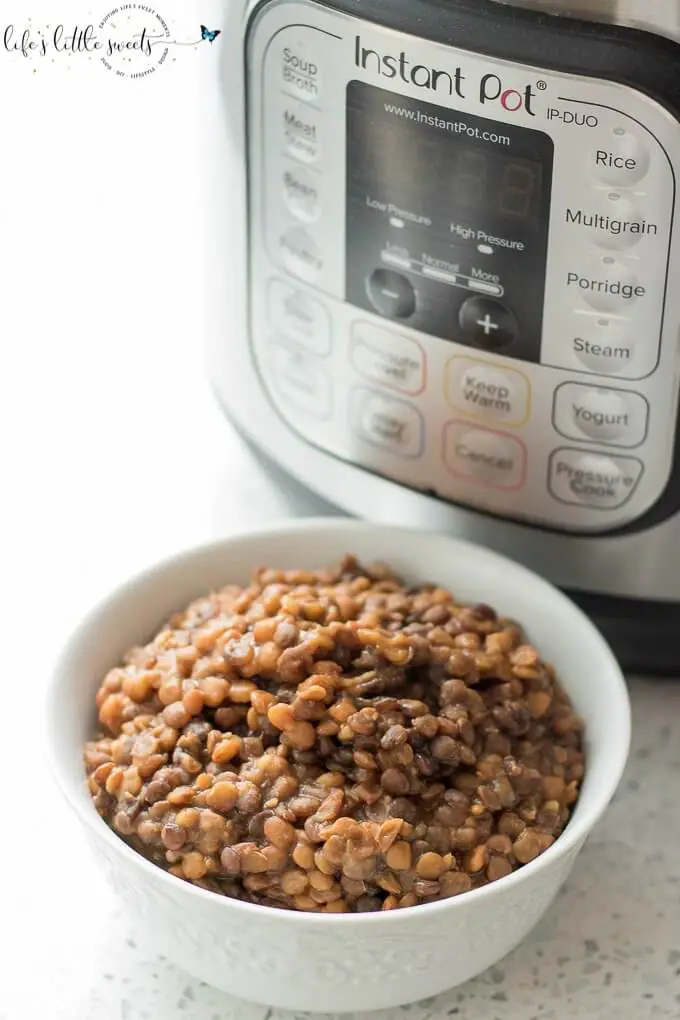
210	34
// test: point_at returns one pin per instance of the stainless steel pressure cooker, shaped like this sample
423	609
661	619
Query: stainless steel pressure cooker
444	277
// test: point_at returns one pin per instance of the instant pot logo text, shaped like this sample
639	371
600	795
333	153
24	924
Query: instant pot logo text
490	90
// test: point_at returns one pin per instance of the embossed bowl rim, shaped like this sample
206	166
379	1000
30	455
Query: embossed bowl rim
571	626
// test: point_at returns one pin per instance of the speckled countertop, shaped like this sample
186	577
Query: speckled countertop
608	950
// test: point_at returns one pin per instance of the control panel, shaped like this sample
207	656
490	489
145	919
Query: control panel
461	269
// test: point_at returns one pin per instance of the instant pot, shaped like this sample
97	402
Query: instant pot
444	277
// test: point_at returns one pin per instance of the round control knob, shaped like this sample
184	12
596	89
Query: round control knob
487	323
391	294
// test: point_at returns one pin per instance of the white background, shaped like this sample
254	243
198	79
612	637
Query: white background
113	454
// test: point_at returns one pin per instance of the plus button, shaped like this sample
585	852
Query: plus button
487	324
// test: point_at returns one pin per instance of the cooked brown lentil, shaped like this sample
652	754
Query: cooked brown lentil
336	741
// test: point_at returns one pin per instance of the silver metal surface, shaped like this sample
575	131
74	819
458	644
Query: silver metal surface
659	16
645	565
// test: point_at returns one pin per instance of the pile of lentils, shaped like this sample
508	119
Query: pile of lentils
336	741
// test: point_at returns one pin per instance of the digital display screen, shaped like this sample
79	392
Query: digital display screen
447	207
464	175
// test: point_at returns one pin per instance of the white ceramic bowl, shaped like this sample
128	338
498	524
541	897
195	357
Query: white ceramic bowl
340	962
